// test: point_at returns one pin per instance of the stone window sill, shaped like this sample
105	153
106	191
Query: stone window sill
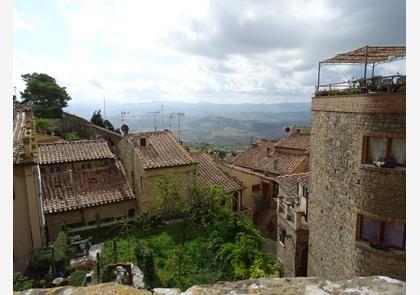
371	167
390	253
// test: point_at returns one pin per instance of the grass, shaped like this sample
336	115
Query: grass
163	241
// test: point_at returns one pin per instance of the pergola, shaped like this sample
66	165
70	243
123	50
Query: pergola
368	55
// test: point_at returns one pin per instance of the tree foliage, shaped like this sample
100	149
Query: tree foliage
43	125
99	121
43	90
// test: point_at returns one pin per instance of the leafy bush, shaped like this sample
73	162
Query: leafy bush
21	283
43	124
61	247
69	136
145	261
77	278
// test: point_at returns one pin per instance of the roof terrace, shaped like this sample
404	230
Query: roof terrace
369	56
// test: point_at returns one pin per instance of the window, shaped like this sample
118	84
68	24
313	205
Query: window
383	233
282	235
55	169
143	141
387	149
290	216
256	188
86	166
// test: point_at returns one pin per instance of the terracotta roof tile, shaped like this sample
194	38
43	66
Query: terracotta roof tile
209	173
70	151
88	189
162	150
289	183
295	141
257	158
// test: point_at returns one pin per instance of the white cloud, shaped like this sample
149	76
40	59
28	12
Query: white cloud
21	22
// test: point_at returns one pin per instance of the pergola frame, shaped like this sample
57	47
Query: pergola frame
368	55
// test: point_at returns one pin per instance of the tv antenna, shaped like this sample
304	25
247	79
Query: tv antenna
154	117
122	116
163	120
179	115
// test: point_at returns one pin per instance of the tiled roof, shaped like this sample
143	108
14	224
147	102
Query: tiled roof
294	141
209	173
289	183
109	186
20	128
257	159
70	151
162	150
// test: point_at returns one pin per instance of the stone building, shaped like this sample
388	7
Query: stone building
146	156
82	183
292	224
209	173
259	166
28	222
358	200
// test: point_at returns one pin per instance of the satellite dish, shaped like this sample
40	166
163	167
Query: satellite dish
124	129
287	129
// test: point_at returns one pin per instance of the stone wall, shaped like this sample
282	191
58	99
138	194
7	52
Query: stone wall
341	188
71	122
144	181
296	286
56	221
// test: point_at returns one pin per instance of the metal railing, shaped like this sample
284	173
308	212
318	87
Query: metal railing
377	84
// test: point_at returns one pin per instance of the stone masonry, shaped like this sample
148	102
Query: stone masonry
341	187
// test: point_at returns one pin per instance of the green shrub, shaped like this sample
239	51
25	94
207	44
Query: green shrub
70	136
145	261
21	283
61	247
77	278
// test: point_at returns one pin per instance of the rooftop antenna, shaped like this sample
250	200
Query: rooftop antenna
163	120
122	116
154	117
104	108
179	123
170	121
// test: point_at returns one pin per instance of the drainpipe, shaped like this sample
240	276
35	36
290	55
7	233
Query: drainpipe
366	58
319	76
40	200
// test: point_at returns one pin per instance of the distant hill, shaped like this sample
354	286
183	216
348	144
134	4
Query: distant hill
225	125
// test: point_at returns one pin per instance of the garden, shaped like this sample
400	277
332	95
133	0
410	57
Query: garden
190	240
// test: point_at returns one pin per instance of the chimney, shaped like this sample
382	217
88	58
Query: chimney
71	176
27	144
268	152
276	161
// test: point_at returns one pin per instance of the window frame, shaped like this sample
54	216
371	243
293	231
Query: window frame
383	221
364	145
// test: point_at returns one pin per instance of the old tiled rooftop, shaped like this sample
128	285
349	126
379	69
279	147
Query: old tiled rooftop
70	151
289	183
84	189
294	141
258	158
210	174
20	128
162	150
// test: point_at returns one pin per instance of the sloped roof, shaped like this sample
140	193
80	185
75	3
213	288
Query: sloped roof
289	183
72	151
23	124
89	188
295	141
375	54
209	173
256	158
162	150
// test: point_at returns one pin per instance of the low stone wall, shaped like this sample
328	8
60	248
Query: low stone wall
71	122
309	286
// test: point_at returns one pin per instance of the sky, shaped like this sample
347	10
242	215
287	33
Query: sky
198	51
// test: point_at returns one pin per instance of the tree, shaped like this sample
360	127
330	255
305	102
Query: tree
43	125
43	90
99	121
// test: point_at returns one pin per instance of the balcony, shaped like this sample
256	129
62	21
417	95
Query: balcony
377	84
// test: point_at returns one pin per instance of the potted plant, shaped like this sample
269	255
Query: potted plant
378	163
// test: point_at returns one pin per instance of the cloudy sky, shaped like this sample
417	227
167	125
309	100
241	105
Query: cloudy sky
215	51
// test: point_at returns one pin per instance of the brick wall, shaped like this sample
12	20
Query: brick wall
340	188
